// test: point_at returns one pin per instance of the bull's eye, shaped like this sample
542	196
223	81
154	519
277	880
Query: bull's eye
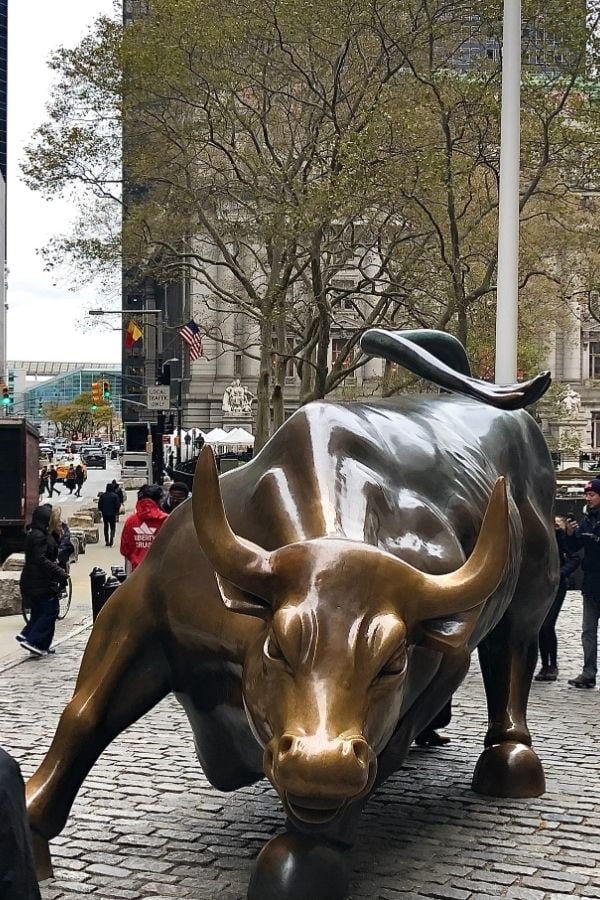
274	652
396	665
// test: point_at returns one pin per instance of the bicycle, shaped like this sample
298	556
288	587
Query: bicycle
64	602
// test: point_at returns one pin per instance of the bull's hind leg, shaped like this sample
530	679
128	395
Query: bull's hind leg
509	767
123	674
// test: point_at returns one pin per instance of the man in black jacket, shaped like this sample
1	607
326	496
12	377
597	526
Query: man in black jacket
109	505
42	581
587	535
17	872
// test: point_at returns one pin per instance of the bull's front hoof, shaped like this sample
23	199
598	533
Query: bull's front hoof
509	770
41	856
296	867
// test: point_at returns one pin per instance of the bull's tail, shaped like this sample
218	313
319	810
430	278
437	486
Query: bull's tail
441	358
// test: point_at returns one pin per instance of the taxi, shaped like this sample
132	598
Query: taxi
62	466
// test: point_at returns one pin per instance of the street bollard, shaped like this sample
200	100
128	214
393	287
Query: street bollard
110	586
119	573
97	580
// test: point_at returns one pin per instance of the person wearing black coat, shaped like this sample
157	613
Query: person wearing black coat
109	505
42	581
569	562
79	478
17	870
586	535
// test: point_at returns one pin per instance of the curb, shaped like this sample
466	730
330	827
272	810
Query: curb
13	663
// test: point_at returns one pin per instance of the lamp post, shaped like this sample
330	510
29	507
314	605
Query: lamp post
507	296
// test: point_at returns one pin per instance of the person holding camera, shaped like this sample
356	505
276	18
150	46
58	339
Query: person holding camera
586	535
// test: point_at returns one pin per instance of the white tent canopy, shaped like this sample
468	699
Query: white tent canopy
216	436
240	436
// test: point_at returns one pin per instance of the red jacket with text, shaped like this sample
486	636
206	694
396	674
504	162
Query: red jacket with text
140	529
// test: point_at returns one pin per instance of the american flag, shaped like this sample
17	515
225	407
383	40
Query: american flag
190	333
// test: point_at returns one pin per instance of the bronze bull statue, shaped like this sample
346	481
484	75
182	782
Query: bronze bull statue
314	610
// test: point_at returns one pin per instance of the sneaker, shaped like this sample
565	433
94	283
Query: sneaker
32	649
582	682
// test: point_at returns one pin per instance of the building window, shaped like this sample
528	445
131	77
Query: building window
237	365
596	430
337	350
594	359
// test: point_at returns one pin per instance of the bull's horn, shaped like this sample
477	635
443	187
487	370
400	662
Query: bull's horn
437	596
245	564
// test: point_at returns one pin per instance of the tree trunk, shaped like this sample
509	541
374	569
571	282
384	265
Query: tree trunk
263	406
462	326
324	326
278	399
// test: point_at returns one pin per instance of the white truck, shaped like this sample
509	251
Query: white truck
136	468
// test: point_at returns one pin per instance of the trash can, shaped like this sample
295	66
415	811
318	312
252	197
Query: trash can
97	580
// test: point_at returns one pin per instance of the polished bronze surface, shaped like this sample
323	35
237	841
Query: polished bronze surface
315	609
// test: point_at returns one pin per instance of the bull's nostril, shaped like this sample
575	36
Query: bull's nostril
285	744
361	752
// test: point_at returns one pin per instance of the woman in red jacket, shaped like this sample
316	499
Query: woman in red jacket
142	526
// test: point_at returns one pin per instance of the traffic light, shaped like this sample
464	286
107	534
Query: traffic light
96	392
106	391
5	395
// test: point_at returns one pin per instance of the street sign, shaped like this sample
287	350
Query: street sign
159	396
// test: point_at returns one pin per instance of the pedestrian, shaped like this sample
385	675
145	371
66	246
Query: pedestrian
66	548
569	562
17	869
587	535
142	526
178	492
52	479
109	506
171	459
42	580
429	737
44	478
118	491
70	481
79	478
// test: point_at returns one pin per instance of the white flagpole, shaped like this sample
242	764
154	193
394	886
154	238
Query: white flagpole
508	216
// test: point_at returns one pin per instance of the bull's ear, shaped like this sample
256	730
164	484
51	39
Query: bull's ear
450	635
241	601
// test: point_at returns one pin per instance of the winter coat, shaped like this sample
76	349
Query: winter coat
17	870
41	577
66	547
140	530
569	560
109	503
79	475
587	535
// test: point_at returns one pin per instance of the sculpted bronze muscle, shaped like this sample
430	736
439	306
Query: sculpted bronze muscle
314	610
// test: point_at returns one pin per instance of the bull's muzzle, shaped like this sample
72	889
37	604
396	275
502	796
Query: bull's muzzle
317	777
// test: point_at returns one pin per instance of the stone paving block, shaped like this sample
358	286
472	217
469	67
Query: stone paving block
424	834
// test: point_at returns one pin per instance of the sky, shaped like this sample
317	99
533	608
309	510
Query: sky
46	321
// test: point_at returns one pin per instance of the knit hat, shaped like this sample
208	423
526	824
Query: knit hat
593	485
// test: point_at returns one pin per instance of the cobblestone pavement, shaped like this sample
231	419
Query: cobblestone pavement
147	825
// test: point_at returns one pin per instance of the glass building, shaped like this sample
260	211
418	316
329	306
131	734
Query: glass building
65	388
